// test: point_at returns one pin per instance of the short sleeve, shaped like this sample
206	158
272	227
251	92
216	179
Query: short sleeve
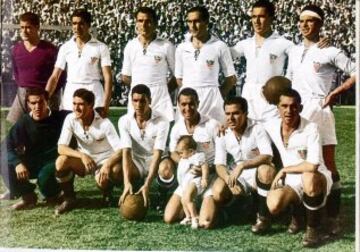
125	138
66	131
220	151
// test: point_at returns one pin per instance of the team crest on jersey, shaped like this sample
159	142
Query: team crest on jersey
302	153
93	60
210	63
317	66
205	145
157	58
273	58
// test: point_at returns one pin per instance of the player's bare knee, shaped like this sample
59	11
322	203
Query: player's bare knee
266	173
60	163
166	169
273	202
312	183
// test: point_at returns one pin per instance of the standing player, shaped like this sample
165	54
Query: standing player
84	57
148	60
33	61
304	178
199	61
312	70
98	150
265	53
250	148
143	140
203	130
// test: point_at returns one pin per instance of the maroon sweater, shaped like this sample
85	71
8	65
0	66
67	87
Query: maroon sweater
33	69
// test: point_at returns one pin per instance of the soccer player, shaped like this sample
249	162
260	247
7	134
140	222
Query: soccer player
250	148
149	60
143	140
312	70
33	60
304	179
265	53
190	185
98	152
203	129
31	146
87	61
198	62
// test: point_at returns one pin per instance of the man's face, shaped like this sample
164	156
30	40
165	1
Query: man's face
28	31
38	107
235	117
79	27
81	108
145	25
197	27
309	26
141	104
188	106
261	21
289	109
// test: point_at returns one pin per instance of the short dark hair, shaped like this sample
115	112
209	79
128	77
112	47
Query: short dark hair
86	95
269	6
314	8
293	94
188	141
147	10
83	14
36	91
204	13
30	17
189	92
141	89
240	101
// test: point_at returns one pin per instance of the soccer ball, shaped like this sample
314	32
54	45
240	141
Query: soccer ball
274	87
133	207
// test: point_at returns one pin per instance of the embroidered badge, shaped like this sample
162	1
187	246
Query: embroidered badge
210	63
317	66
273	58
157	58
302	153
93	60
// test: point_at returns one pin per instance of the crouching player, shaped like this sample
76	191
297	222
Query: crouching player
98	150
190	185
143	139
304	177
250	147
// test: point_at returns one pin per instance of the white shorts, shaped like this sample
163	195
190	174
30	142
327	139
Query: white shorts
211	103
324	117
99	159
205	192
247	179
96	88
160	102
258	108
295	181
143	164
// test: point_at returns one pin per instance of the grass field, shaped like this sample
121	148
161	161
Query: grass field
92	226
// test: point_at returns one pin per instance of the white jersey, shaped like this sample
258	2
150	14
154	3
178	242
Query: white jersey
253	142
83	68
201	67
143	142
204	135
184	166
99	141
303	145
312	69
151	67
262	63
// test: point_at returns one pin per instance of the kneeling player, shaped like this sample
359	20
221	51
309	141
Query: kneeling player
143	139
98	150
304	178
250	148
190	185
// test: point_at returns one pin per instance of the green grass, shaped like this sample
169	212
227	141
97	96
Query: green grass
95	227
